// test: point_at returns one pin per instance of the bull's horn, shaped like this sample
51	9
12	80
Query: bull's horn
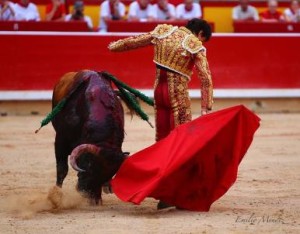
84	148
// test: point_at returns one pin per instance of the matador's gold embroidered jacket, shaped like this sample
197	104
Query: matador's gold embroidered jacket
176	49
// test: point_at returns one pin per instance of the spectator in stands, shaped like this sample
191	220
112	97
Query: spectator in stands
141	10
111	10
6	10
244	12
163	10
272	14
292	14
188	10
55	11
78	14
25	10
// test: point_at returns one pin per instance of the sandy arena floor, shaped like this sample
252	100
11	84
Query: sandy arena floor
265	198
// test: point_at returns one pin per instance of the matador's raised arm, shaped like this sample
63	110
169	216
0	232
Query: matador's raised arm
206	81
142	40
131	43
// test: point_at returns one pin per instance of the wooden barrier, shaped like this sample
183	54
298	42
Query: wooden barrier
35	61
266	27
70	26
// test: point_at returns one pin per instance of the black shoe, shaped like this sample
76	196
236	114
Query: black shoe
163	205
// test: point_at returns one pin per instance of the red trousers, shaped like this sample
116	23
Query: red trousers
172	103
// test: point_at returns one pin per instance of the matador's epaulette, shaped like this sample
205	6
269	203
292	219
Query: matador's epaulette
163	30
192	44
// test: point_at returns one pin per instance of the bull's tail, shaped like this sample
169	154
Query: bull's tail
129	94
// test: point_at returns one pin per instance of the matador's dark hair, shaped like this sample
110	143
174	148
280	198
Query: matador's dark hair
196	25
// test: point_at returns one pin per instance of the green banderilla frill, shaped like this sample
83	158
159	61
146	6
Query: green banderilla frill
131	101
137	93
134	104
52	114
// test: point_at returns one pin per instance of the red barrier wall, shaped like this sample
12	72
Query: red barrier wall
36	61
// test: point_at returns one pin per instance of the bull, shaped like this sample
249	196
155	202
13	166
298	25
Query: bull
89	129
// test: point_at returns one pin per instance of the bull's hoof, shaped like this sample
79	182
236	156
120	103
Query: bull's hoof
99	202
106	188
96	202
163	205
55	196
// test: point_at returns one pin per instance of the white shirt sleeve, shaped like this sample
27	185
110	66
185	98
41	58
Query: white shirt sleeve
68	17
286	12
179	11
235	15
132	10
15	7
104	11
89	21
36	13
172	10
155	11
198	12
122	9
255	14
151	11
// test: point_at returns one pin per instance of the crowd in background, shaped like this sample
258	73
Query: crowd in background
245	12
142	10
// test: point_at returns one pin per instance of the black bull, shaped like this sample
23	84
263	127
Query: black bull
90	128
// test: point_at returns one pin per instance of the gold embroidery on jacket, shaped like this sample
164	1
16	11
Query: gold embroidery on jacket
179	98
206	81
131	43
155	108
171	53
192	44
163	30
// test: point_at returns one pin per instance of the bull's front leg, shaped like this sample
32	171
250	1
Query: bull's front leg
98	197
62	152
107	188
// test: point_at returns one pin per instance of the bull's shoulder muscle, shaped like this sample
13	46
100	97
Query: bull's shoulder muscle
63	87
66	83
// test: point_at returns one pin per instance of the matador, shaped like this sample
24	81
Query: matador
176	51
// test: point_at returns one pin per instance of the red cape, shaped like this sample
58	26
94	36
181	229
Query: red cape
194	165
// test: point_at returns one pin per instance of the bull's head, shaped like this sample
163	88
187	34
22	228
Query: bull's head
96	166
